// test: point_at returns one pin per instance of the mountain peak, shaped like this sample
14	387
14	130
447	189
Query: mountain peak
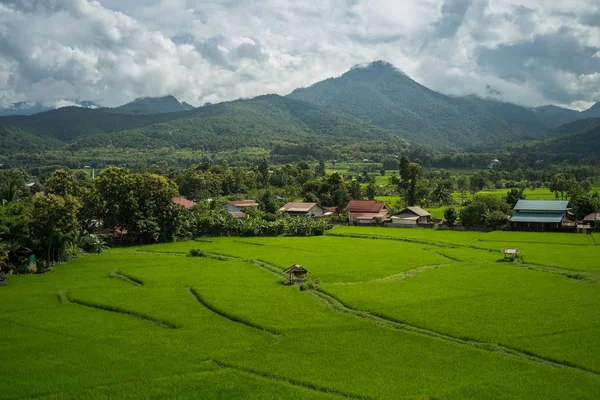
377	64
142	105
593	111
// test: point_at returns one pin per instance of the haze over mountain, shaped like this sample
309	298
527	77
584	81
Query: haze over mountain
31	108
372	102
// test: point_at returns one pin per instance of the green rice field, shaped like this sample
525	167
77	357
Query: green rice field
390	314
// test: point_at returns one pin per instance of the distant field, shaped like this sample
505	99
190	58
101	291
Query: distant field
552	249
536	237
437	316
524	309
428	235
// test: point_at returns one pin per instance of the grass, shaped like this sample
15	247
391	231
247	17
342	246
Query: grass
234	331
533	311
419	234
536	237
326	257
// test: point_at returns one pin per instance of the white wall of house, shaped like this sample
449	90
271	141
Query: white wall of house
231	208
316	211
402	221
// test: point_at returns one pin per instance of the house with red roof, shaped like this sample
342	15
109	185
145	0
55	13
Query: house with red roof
184	202
367	211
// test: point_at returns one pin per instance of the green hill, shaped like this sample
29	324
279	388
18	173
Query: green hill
260	122
144	105
592	112
386	97
557	116
579	137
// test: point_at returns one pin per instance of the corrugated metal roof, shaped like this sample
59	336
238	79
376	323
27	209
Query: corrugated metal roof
243	203
417	210
365	206
542	205
183	202
540	217
368	216
298	207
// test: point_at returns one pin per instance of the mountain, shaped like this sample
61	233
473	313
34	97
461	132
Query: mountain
384	96
145	105
264	121
580	137
557	116
593	112
31	108
576	127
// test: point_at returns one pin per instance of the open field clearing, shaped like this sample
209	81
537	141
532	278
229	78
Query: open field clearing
416	321
426	235
549	249
327	256
536	237
533	311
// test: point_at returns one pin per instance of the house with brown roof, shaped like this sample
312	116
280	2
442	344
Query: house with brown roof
239	205
412	216
367	211
302	209
183	202
592	218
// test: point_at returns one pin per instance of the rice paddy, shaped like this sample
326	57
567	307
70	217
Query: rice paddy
396	314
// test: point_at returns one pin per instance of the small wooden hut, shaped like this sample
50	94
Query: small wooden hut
296	273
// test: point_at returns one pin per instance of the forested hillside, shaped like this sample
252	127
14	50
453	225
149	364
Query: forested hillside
579	137
372	109
260	122
386	97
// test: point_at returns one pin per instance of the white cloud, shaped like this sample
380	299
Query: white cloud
213	50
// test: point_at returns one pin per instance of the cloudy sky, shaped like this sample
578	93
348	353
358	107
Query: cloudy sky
532	52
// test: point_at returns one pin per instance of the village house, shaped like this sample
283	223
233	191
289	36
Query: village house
593	218
239	205
539	215
236	208
367	211
303	209
184	202
412	216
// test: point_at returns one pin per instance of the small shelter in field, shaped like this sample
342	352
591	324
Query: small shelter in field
185	203
510	254
412	216
539	215
296	273
303	209
367	211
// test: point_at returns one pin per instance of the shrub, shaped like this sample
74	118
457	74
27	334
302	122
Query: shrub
92	244
197	253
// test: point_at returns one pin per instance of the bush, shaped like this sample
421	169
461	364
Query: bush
197	253
92	244
450	215
70	252
309	284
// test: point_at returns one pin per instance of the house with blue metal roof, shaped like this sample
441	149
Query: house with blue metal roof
539	215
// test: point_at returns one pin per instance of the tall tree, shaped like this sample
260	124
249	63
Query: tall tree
320	170
263	173
371	191
54	223
414	171
62	183
355	190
